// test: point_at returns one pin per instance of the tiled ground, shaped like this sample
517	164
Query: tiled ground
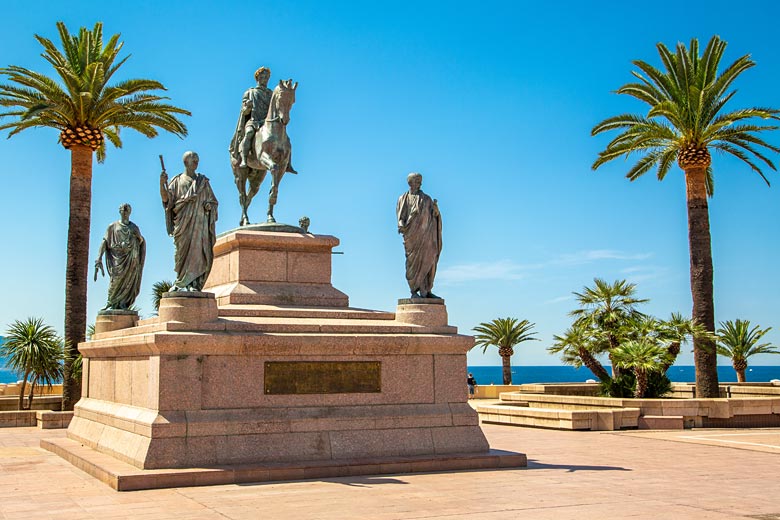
582	475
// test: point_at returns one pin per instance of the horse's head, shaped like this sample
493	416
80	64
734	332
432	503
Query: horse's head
282	101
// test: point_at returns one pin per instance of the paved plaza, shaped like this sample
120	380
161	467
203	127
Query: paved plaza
697	474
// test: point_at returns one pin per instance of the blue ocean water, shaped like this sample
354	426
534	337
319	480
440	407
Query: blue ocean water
565	374
568	374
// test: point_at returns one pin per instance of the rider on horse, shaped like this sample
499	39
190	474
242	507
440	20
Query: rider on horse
254	109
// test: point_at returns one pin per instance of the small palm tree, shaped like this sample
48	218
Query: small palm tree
575	347
642	357
676	331
737	341
684	122
158	289
504	333
31	347
606	308
86	110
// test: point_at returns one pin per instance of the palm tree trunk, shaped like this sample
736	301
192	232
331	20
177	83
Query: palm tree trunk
613	344
77	270
740	370
21	390
506	368
32	392
593	364
641	384
672	351
699	242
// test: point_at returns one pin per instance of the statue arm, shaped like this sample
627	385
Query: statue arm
246	103
401	211
99	261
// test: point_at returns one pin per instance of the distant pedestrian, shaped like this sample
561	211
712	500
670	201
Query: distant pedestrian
472	384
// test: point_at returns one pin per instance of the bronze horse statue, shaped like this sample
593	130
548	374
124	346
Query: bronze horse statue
270	152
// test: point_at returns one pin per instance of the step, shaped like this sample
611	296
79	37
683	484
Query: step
661	422
559	419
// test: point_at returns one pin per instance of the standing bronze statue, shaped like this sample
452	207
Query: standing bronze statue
260	143
125	250
419	221
190	218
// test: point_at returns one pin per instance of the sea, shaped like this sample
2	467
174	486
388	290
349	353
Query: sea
567	374
486	375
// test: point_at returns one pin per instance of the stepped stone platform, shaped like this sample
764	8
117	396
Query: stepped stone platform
583	412
213	390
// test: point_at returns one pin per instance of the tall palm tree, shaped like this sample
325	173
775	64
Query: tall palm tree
504	333
607	307
737	341
684	122
31	347
87	111
641	356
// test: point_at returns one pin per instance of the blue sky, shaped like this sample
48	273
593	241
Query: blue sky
493	105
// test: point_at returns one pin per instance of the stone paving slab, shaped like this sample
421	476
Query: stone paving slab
767	441
570	475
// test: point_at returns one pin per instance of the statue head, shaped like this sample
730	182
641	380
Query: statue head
414	180
190	158
262	75
125	210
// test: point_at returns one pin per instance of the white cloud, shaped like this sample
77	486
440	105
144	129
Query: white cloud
559	299
594	255
498	270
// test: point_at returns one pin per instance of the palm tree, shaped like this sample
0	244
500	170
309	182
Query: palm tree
737	341
575	347
678	330
504	333
683	123
641	356
607	307
32	348
87	111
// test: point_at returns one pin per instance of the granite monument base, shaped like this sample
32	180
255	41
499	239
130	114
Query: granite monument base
208	392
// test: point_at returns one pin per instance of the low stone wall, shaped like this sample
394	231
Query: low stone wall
10	389
493	391
679	390
17	419
720	412
46	402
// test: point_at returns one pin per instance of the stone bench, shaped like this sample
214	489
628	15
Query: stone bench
50	420
584	419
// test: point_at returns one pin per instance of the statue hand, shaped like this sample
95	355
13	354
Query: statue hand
163	180
207	206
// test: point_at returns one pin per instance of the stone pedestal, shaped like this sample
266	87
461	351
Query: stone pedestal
427	312
214	391
108	320
254	267
190	308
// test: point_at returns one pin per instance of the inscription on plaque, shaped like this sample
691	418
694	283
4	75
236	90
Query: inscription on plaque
323	377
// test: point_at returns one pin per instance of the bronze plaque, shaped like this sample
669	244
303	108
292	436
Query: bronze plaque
323	377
